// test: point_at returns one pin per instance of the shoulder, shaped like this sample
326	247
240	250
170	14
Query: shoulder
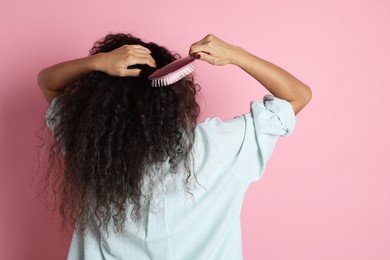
216	126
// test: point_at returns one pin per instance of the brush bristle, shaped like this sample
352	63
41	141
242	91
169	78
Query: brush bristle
174	76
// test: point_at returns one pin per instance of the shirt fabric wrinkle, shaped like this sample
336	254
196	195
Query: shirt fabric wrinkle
228	156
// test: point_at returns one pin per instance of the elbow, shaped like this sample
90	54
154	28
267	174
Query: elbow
303	99
43	84
307	95
41	78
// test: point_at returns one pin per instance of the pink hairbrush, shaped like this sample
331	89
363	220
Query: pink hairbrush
173	72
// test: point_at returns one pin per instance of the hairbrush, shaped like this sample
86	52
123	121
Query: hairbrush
172	72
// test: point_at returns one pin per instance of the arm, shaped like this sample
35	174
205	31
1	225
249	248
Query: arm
53	80
277	81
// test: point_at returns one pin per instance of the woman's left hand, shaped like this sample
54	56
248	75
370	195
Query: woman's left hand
115	62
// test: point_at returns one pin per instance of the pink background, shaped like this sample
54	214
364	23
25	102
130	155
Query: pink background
325	194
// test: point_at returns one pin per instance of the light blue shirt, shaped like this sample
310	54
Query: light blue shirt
227	157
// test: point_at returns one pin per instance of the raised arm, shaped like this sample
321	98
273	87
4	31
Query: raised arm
53	80
276	80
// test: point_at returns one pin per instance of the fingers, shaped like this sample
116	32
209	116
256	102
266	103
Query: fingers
141	58
129	73
213	50
204	45
199	47
206	57
140	47
118	60
133	47
136	54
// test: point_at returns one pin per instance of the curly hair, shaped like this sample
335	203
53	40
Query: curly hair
110	131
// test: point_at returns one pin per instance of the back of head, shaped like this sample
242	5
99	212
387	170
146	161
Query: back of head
112	129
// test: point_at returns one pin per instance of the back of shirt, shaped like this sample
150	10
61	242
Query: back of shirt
204	222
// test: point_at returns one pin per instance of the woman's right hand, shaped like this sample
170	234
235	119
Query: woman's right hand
214	50
275	79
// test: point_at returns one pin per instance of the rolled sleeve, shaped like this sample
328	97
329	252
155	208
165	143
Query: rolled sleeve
268	119
244	144
51	118
273	116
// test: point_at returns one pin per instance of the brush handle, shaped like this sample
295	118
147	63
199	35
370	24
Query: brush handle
171	67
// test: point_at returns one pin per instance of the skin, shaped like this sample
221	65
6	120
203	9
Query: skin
277	81
53	80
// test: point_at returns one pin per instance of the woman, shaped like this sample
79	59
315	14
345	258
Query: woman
139	179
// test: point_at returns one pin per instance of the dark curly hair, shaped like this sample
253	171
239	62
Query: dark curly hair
110	131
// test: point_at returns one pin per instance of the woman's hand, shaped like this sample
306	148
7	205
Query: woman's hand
214	51
275	79
115	62
53	80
